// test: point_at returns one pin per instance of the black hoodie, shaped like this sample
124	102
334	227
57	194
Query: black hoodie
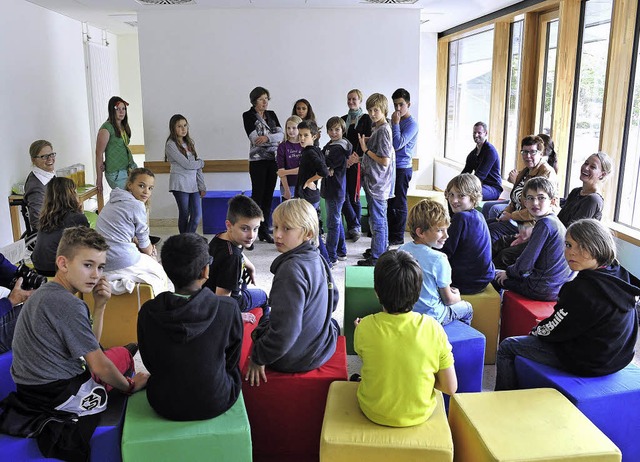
191	347
594	325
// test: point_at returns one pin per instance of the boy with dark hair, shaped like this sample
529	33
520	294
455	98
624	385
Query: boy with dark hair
230	272
428	222
395	392
177	331
58	365
540	271
404	131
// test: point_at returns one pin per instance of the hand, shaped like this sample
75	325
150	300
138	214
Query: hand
203	193
154	252
140	380
513	174
261	140
330	172
310	185
506	216
353	159
356	322
287	194
395	117
255	373
454	290
19	295
363	142
281	173
102	292
501	276
248	317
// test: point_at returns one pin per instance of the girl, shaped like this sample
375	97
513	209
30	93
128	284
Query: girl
302	108
113	142
61	210
594	327
123	223
300	334
288	158
186	180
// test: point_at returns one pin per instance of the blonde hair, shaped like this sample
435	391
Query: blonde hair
380	101
427	214
296	120
298	213
467	184
357	92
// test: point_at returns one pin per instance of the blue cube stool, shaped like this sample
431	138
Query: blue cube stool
611	402
468	347
214	210
105	442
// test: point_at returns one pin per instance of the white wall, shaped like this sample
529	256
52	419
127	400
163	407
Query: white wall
427	116
203	64
130	86
43	93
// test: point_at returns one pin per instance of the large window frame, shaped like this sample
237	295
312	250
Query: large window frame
511	142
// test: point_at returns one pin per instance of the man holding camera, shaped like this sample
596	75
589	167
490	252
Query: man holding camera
10	302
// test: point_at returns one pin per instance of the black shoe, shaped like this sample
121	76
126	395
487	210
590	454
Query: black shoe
354	235
367	253
265	237
367	262
396	242
355	378
132	348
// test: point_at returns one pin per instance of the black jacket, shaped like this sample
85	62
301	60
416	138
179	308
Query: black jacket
191	347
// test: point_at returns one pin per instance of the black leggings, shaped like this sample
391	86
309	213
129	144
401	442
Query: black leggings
263	182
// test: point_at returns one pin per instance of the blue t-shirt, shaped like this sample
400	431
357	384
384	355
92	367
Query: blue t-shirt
436	273
469	250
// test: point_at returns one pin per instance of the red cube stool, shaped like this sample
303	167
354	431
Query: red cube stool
521	314
287	411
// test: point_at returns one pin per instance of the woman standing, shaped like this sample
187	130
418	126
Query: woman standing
43	171
186	180
265	133
113	142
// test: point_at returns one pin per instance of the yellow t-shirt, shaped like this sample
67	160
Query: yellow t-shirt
401	353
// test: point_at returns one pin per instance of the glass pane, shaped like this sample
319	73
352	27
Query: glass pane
469	92
593	69
513	100
629	199
549	78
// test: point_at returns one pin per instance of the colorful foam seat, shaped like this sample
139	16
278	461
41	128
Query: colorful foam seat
537	425
286	412
521	314
214	210
149	437
611	402
105	442
120	323
359	299
486	318
416	195
468	346
347	434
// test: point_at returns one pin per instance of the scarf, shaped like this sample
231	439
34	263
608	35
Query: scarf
353	117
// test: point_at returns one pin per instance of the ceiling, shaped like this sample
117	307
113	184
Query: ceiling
119	16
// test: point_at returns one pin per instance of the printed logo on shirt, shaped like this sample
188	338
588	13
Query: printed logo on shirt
548	327
96	398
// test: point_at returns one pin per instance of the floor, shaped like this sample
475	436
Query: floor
262	256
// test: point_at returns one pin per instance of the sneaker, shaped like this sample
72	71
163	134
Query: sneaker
367	253
367	262
355	378
342	258
332	264
132	348
354	235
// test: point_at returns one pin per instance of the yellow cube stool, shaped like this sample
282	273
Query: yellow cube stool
486	319
525	425
416	195
120	324
347	434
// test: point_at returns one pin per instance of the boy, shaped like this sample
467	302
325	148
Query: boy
540	271
378	174
56	355
336	153
231	271
177	331
404	129
395	390
469	244
428	222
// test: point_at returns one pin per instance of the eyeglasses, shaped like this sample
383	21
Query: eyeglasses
540	199
526	153
46	156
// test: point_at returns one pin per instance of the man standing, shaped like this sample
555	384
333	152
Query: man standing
483	161
404	129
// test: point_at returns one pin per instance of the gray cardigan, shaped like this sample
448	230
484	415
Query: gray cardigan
186	172
121	219
34	198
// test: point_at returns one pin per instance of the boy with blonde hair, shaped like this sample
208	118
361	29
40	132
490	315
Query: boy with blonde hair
428	224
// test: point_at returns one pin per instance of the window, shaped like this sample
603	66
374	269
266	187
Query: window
469	91
511	145
589	98
549	78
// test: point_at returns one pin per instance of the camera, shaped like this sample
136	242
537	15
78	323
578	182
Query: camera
30	279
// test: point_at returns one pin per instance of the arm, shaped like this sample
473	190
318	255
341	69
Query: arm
34	197
223	292
141	228
234	348
447	381
488	157
106	371
456	231
367	152
101	295
174	155
251	269
402	135
449	295
527	259
202	187
16	297
101	145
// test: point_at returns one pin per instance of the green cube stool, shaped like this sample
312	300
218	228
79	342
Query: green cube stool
147	436
359	299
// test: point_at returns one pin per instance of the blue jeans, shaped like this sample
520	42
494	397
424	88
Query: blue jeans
462	311
351	209
7	326
117	179
254	298
378	225
490	193
492	209
335	237
397	206
527	346
498	229
189	211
